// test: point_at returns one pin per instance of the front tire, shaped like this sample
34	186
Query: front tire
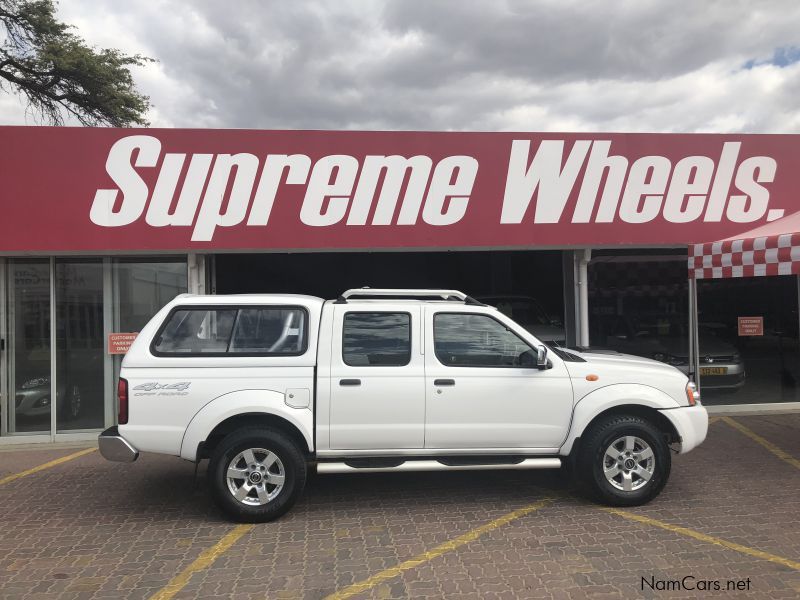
257	474
624	461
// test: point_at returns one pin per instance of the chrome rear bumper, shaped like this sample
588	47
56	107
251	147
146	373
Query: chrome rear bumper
115	447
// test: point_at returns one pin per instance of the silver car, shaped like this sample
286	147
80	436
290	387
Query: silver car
663	337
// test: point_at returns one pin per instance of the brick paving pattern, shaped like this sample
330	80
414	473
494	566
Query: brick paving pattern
91	529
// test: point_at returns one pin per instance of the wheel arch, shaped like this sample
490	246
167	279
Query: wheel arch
638	400
245	408
252	419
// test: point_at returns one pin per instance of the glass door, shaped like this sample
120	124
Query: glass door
29	397
80	351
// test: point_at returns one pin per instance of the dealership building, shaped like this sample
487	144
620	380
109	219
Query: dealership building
581	238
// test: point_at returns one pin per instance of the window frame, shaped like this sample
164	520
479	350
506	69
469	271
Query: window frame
381	312
235	307
480	314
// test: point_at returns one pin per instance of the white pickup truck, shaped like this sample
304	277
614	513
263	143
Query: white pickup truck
269	386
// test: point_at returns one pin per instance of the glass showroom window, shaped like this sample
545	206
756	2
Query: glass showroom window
80	348
140	289
639	305
28	407
748	340
61	379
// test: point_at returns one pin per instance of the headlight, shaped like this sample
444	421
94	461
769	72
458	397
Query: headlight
692	395
36	382
42	402
736	358
670	359
677	360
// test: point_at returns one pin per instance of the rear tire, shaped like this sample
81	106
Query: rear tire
624	461
257	474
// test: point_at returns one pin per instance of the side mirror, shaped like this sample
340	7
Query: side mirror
541	357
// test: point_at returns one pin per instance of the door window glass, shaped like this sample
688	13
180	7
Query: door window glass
379	339
465	340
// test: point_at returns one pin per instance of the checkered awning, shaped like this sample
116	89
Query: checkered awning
752	254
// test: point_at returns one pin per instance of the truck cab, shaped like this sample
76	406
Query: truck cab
270	386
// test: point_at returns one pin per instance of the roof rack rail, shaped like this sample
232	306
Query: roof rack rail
367	292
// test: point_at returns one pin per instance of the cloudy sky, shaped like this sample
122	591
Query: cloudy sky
552	65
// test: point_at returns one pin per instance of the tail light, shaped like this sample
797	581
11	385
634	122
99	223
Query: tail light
122	396
692	395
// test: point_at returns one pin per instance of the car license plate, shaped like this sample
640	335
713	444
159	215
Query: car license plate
713	370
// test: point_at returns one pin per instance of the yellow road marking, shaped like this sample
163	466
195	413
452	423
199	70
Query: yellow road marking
705	538
785	456
177	583
412	563
47	465
713	420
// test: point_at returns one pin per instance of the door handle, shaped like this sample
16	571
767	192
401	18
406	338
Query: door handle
444	382
349	382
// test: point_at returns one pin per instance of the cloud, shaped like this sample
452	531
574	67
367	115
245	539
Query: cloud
568	65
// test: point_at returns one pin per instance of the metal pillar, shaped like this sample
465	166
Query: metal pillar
196	274
694	344
581	265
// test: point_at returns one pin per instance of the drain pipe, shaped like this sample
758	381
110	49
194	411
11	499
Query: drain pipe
583	297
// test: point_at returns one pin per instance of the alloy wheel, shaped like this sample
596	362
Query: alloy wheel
629	463
255	476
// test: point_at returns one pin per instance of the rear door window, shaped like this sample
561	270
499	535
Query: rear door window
376	339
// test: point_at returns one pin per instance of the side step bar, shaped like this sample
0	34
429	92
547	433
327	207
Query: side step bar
434	465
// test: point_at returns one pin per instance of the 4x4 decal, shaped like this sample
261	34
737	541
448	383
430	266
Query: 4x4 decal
163	389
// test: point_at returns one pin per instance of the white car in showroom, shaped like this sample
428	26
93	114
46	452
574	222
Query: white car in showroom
389	380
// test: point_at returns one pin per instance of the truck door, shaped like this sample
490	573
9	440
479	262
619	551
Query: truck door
377	378
484	390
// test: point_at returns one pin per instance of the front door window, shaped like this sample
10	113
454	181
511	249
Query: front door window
466	340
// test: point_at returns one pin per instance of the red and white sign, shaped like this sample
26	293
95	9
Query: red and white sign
749	326
98	189
120	343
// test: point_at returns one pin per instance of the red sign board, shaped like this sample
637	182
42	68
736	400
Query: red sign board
751	326
120	343
102	189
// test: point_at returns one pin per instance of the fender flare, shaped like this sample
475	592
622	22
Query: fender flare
611	396
242	402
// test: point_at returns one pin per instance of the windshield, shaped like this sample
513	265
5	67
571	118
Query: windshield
524	312
661	325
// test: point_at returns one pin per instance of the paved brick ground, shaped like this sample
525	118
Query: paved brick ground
92	529
14	461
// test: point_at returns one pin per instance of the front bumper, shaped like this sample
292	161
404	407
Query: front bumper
691	422
733	379
115	447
